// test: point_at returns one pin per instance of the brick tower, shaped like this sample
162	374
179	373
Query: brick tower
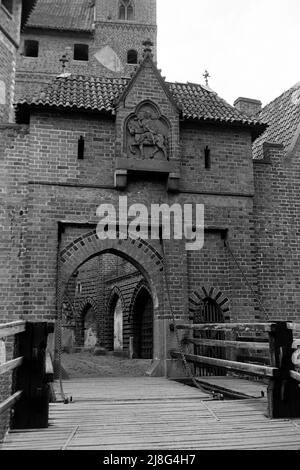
10	20
13	13
102	38
121	27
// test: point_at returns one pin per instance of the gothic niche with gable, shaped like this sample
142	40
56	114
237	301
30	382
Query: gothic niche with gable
147	134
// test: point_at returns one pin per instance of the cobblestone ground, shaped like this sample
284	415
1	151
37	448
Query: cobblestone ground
84	364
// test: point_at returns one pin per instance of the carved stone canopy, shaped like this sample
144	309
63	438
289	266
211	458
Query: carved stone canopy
147	134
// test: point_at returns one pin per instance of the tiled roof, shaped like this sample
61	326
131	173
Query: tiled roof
99	94
198	102
27	6
78	92
283	117
75	15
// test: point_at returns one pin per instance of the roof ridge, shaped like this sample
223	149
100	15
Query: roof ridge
148	58
279	98
187	84
88	77
100	94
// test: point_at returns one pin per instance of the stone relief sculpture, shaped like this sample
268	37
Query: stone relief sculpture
148	134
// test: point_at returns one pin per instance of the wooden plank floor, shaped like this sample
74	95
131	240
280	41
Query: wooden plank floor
153	413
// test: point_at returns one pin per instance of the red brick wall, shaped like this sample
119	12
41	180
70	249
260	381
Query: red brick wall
277	229
62	188
54	148
97	279
9	40
121	36
52	45
10	22
6	76
144	11
230	154
13	218
53	160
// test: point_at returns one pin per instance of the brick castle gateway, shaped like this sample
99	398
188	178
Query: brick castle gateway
86	116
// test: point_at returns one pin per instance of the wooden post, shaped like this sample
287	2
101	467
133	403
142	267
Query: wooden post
283	392
31	411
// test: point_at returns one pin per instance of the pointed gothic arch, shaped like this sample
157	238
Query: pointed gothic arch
82	308
115	292
141	321
126	10
142	284
115	301
209	305
83	303
139	253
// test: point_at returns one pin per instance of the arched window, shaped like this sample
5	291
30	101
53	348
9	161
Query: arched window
126	10
132	57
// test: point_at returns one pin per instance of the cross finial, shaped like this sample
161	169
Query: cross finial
148	44
64	59
206	76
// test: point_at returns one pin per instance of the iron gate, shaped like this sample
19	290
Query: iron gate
209	312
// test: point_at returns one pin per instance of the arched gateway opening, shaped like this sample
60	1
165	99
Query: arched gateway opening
142	323
115	293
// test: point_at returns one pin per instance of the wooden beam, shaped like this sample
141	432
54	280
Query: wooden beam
295	375
254	339
252	369
10	365
294	327
9	402
226	326
9	329
49	368
230	344
32	409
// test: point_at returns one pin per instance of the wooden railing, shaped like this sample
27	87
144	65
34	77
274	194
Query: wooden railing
6	330
31	373
278	342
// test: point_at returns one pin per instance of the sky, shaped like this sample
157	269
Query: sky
249	47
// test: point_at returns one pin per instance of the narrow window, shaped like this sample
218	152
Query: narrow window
126	10
122	12
81	52
79	288
207	158
80	153
8	4
132	57
130	13
31	48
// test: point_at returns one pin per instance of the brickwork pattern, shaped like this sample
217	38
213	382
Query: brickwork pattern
7	54
121	36
9	41
231	167
58	192
49	199
277	229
